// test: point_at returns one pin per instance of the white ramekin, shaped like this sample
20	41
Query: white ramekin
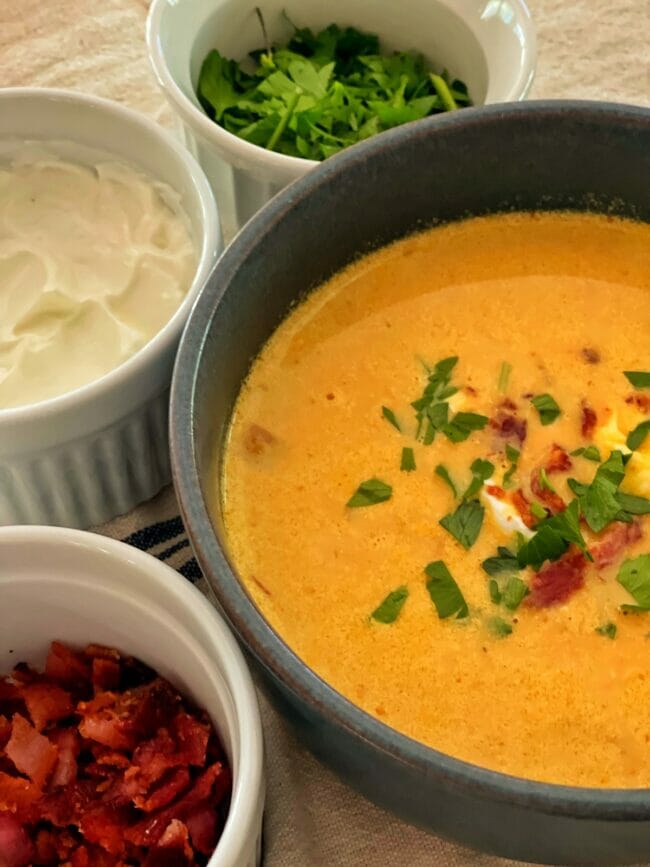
80	459
81	588
490	44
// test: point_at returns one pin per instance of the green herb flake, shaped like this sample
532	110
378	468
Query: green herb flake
369	493
388	611
465	523
445	592
634	575
407	463
538	511
442	472
512	453
552	538
545	482
481	472
514	593
636	437
607	630
494	591
499	627
505	562
589	453
547	408
638	378
599	501
463	424
513	456
389	415
633	505
504	376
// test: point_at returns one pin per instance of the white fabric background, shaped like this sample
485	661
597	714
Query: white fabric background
592	49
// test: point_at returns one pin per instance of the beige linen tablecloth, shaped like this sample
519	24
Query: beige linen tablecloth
592	49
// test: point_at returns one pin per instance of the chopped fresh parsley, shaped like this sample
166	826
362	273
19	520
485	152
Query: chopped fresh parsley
443	473
389	415
465	523
638	378
633	505
505	562
513	456
547	408
552	538
369	493
499	627
636	437
388	611
431	410
608	630
538	511
590	453
599	501
462	425
445	592
494	591
481	471
407	464
514	593
504	376
545	482
634	575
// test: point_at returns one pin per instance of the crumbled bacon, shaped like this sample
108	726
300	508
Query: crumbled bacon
613	541
588	420
556	582
549	498
121	769
590	355
507	423
558	461
257	438
639	400
522	505
496	491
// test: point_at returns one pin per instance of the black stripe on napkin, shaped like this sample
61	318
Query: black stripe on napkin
167	531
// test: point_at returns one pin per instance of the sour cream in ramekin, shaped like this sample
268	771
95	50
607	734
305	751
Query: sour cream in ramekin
95	258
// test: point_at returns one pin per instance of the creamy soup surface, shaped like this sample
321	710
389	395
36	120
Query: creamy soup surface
536	671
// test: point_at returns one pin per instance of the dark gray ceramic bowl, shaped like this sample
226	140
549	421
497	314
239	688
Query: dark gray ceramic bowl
520	156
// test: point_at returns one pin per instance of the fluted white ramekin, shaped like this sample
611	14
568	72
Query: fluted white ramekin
81	588
93	453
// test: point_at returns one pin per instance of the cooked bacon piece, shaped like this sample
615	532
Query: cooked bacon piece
105	674
496	491
559	460
192	738
67	667
588	420
66	805
9	692
613	541
17	795
32	753
203	825
522	505
174	784
105	827
24	674
554	501
257	439
507	424
68	744
16	849
590	355
46	703
641	401
556	582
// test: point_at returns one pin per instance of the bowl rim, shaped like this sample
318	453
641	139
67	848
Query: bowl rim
244	617
206	246
240	149
244	806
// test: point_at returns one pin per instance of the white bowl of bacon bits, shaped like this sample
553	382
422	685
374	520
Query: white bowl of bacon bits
129	728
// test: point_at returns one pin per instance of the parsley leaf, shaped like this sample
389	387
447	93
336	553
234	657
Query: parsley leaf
504	376
369	493
538	511
443	473
638	378
513	456
545	482
388	611
481	471
499	627
389	415
514	593
547	408
599	503
552	538
634	575
445	592
505	562
608	630
494	591
633	505
462	425
465	523
407	464
636	437
590	453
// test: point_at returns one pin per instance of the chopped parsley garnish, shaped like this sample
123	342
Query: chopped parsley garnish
443	473
608	630
552	538
388	611
465	523
633	505
590	453
369	493
481	471
407	464
504	376
638	378
444	592
634	575
505	562
599	501
538	511
545	482
462	425
513	456
389	415
636	437
547	408
494	591
499	627
514	593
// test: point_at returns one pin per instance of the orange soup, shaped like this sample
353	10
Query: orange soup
437	487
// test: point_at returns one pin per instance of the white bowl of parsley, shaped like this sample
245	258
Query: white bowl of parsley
262	98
